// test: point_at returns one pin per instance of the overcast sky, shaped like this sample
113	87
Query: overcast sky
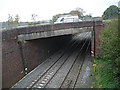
45	9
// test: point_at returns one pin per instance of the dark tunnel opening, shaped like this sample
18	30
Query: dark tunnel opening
38	50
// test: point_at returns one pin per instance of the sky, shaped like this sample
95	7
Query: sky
45	9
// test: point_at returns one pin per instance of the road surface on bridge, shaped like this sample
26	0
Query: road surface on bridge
70	67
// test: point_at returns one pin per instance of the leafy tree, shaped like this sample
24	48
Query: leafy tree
12	20
80	10
16	19
110	13
86	16
55	17
76	12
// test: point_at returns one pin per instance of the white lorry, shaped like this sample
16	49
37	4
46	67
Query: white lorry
68	18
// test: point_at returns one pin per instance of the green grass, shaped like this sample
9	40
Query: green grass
104	76
106	21
34	25
27	26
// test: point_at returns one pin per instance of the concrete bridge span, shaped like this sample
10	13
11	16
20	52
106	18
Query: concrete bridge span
52	33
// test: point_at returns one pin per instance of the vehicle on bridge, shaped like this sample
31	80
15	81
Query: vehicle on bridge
68	18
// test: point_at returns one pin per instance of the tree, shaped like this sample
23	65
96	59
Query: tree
110	13
34	17
55	17
16	19
76	12
81	11
12	20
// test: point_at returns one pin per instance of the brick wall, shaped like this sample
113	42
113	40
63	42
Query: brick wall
17	55
98	31
11	62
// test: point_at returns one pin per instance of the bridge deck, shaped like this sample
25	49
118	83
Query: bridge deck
70	67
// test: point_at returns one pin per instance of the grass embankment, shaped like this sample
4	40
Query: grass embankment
107	74
106	21
34	25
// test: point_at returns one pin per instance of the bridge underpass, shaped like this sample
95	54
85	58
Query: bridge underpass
69	67
24	49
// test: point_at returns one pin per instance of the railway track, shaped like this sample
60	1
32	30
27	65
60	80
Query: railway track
61	70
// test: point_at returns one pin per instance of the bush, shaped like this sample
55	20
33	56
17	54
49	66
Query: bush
110	45
110	57
104	76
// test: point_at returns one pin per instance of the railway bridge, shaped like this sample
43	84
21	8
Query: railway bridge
30	54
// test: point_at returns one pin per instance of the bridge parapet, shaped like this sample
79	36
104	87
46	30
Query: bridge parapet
34	32
13	33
